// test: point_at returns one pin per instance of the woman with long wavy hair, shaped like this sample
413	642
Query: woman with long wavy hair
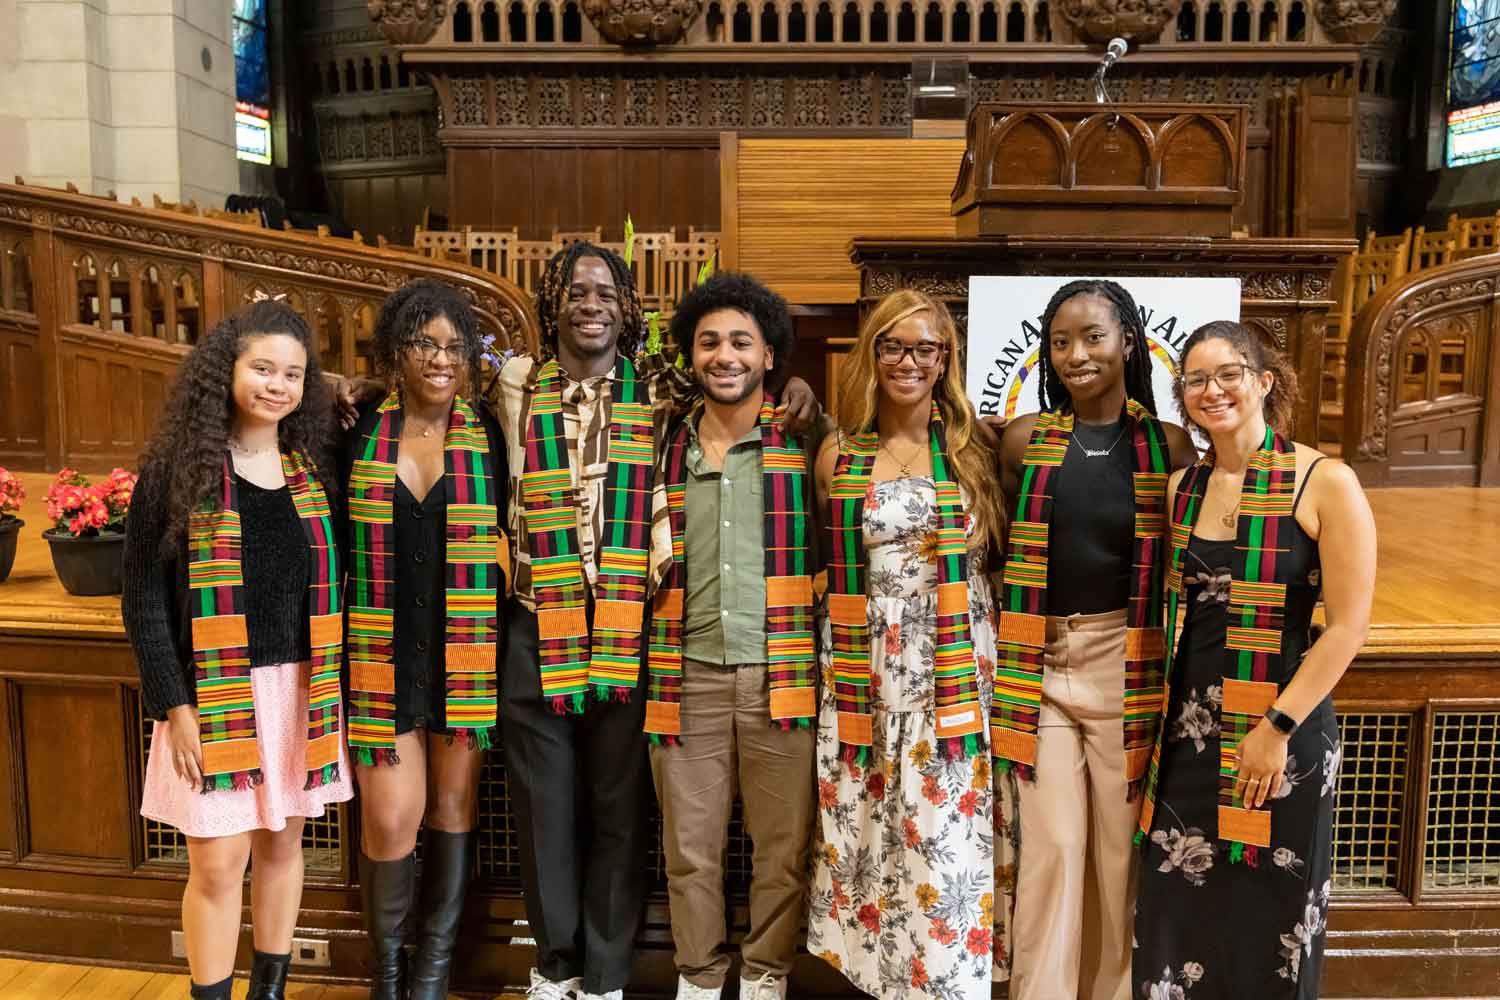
232	591
426	473
912	830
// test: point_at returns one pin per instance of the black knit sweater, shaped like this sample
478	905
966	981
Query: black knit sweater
157	617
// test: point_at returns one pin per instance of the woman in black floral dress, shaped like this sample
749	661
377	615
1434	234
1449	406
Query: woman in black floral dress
1234	888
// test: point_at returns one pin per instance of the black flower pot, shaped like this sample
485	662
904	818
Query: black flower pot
10	530
90	566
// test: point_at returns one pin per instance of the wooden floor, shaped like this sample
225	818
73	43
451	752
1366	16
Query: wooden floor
21	980
1438	585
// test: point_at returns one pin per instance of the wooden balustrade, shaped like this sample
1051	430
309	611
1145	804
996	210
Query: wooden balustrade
665	268
99	302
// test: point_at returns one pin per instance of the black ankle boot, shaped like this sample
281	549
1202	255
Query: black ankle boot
268	977
386	890
215	991
445	877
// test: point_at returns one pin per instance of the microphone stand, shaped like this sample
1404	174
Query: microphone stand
1112	53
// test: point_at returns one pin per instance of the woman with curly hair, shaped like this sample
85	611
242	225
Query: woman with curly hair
425	469
1080	637
1237	821
904	898
232	605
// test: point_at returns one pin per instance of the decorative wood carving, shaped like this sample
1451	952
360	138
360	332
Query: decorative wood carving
1135	21
1353	21
111	355
407	22
1418	305
642	22
1160	169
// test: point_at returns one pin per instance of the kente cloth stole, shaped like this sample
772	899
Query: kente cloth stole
221	644
572	661
1022	638
960	724
1256	623
789	636
473	550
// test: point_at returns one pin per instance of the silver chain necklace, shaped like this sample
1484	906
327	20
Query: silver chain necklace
1095	452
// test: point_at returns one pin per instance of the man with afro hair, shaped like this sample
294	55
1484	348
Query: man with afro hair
731	664
583	425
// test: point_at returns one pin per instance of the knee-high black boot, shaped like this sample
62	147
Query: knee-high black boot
268	977
213	991
386	888
445	877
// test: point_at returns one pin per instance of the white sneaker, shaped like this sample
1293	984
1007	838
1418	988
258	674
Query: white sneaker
687	991
767	987
611	995
542	988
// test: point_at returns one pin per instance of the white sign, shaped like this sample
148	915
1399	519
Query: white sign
1005	336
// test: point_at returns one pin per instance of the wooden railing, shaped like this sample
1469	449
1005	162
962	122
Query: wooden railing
1423	389
665	267
1379	261
100	301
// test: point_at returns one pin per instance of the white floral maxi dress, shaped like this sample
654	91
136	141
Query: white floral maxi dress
914	855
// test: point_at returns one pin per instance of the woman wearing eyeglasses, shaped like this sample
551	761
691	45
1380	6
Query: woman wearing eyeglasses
1238	814
911	829
426	478
1079	681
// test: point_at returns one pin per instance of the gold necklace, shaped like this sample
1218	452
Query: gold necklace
905	467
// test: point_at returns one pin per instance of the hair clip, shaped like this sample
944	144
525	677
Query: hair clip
260	295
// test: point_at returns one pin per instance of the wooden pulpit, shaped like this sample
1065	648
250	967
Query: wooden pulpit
1073	189
1146	170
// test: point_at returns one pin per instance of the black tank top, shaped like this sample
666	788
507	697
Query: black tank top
1093	524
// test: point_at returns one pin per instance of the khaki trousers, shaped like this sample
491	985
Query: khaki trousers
1075	881
729	746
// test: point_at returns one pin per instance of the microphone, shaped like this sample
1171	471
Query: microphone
1113	53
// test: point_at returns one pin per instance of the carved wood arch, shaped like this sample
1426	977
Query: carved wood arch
1443	437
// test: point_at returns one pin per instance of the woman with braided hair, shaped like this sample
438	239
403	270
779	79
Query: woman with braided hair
1078	680
425	473
584	425
1237	817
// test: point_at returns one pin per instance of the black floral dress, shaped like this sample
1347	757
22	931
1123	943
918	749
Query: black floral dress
1206	927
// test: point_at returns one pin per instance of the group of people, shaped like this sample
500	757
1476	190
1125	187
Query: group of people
938	661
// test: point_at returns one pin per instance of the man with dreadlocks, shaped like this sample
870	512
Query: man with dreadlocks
583	425
1078	682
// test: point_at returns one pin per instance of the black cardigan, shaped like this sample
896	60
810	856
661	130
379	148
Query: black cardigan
155	601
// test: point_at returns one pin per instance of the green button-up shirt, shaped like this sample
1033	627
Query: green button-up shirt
724	614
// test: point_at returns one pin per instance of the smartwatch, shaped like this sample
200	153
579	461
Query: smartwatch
1284	723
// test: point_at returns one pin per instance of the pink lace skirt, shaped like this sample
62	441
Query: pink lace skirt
281	734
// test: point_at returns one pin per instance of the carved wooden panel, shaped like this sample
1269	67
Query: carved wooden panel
115	385
541	190
75	759
22	391
1325	160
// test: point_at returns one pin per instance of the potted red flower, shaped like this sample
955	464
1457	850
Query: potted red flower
12	494
88	533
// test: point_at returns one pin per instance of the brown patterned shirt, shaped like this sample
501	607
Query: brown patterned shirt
585	409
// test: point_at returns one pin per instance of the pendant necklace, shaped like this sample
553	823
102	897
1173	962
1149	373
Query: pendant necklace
905	466
1095	452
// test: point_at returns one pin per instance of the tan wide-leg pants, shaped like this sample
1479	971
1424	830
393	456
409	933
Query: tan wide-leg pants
729	746
1075	882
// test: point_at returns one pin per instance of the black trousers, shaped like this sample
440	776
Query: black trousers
578	792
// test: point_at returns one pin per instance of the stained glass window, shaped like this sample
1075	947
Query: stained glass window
252	81
1474	82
